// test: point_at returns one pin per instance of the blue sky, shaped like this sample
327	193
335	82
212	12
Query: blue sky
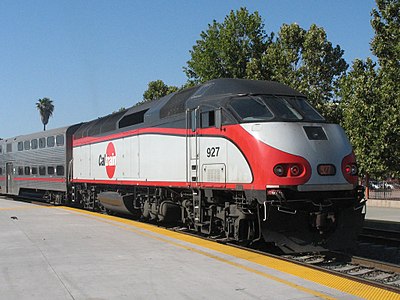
93	57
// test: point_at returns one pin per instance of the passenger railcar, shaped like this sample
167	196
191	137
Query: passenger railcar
236	159
35	165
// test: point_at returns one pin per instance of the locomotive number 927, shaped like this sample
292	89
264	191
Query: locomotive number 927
237	159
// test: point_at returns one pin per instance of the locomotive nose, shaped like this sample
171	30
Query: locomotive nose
323	150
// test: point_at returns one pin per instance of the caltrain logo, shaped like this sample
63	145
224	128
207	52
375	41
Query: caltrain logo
109	160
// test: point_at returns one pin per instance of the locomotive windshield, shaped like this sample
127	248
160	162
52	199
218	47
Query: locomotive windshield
274	108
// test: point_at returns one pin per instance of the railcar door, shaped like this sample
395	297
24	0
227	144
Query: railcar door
205	151
9	178
192	147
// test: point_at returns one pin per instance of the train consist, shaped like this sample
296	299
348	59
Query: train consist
235	159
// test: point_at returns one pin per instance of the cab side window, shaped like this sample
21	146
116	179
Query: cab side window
207	119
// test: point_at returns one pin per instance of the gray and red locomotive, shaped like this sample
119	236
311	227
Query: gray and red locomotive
238	159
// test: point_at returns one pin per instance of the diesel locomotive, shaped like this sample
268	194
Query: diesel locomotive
236	159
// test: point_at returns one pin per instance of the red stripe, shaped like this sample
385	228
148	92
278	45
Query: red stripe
93	140
2	178
41	179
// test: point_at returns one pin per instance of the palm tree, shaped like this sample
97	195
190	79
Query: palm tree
46	108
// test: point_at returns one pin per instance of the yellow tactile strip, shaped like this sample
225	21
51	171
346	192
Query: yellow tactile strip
332	281
22	207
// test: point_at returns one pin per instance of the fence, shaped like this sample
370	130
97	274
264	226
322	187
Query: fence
385	193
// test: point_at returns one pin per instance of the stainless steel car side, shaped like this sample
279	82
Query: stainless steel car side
36	165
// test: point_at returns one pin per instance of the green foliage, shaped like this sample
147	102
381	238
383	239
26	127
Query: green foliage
281	59
121	109
46	108
157	89
371	97
224	50
386	42
386	46
362	117
306	61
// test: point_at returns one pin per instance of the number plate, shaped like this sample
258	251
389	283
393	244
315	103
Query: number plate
326	170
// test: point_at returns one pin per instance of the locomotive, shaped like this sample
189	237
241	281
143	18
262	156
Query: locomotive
233	159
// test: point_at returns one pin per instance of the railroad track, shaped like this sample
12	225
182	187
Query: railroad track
373	272
380	236
380	241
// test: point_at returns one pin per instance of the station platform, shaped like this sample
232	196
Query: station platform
49	252
390	214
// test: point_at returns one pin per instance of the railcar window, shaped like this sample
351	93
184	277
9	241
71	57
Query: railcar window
50	141
20	171
306	109
34	170
34	144
27	170
1	149
50	170
60	140
9	147
251	109
42	170
42	142
27	145
20	146
132	119
283	109
207	119
1	171
60	170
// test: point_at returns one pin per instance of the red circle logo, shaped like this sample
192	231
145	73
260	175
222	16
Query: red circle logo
111	160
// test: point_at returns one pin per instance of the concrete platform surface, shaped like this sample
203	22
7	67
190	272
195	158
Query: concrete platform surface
383	214
63	253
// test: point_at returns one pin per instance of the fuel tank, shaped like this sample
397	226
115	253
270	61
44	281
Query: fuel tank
118	203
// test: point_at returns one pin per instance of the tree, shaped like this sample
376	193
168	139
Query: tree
281	60
224	50
157	89
386	46
371	97
306	61
362	116
46	108
121	109
386	42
